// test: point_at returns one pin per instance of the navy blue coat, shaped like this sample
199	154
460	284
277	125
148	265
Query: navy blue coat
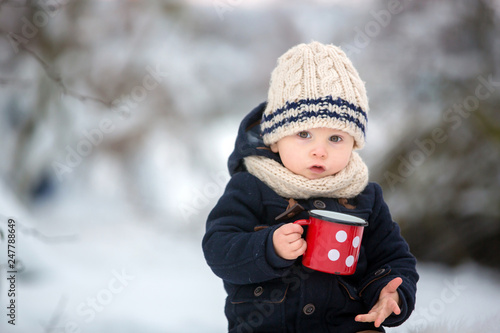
269	294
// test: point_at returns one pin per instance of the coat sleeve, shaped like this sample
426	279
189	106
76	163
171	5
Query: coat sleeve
389	257
233	250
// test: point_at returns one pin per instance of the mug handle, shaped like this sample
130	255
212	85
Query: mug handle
303	222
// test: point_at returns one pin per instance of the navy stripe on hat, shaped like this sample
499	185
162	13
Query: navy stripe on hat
325	111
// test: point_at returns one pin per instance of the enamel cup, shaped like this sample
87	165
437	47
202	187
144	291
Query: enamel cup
333	241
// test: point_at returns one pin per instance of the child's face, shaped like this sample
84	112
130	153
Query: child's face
315	153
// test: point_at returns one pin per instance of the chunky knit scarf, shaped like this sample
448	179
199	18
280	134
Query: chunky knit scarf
347	183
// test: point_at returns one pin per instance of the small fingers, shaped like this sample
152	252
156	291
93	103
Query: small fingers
366	318
379	313
298	247
372	317
395	309
380	319
302	248
292	228
288	242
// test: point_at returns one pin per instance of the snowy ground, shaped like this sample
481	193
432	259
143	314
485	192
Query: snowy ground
118	272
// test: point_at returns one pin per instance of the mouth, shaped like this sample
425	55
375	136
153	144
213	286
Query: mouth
317	169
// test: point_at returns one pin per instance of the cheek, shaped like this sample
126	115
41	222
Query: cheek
290	160
346	158
286	158
341	158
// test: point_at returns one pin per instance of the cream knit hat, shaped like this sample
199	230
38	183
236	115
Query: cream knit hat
315	85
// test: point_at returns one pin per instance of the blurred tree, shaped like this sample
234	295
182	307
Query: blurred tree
67	65
444	178
60	84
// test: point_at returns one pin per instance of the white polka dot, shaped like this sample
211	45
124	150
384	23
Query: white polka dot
349	261
341	236
333	255
355	242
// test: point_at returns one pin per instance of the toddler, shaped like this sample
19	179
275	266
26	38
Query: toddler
294	153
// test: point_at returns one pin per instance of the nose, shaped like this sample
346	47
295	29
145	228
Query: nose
319	151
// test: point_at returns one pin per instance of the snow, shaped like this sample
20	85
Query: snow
465	296
108	271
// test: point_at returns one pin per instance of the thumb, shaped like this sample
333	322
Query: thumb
393	285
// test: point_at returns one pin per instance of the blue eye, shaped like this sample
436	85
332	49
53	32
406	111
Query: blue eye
335	138
304	134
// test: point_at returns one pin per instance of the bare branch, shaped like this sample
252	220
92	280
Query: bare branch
56	77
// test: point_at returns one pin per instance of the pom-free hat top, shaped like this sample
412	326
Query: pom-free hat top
315	85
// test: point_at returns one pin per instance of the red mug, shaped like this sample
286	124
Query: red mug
333	241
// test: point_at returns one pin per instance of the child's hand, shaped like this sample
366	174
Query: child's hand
288	242
388	303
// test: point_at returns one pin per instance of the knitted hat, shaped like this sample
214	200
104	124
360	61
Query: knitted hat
315	85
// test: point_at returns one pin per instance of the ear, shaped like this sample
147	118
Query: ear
274	147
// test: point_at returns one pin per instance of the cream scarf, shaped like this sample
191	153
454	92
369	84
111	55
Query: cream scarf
347	183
